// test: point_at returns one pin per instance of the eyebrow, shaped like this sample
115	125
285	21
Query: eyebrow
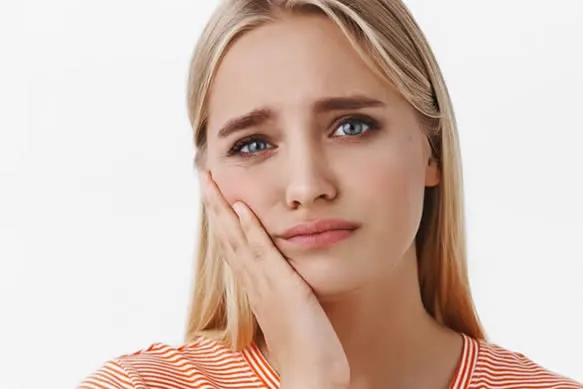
346	103
260	116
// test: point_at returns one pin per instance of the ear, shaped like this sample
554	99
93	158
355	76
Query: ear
432	173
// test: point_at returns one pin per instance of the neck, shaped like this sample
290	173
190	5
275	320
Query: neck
388	337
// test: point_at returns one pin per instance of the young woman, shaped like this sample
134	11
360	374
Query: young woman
332	249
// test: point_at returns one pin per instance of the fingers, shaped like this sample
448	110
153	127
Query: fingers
258	241
224	223
248	248
266	276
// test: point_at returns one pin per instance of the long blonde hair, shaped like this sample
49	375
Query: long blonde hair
387	37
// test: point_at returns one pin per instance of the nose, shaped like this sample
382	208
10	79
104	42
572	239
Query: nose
310	181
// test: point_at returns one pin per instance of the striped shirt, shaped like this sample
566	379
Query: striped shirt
207	364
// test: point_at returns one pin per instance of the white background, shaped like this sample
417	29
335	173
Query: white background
99	203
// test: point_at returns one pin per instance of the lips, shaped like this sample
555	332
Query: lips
319	234
318	227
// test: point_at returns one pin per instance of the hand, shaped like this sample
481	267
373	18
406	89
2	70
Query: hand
296	329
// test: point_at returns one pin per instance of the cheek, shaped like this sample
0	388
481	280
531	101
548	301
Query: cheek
394	172
237	184
393	188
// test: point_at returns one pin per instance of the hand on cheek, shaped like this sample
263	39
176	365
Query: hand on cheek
278	296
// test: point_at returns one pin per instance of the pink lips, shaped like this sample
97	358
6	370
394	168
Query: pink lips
320	233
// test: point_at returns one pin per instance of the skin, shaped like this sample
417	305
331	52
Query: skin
368	165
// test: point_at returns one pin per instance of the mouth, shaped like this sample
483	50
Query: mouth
319	234
321	239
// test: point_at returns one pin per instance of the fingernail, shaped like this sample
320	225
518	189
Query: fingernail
239	209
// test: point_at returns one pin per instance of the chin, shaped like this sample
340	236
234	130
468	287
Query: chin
330	276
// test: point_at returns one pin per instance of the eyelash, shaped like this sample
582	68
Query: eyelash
369	122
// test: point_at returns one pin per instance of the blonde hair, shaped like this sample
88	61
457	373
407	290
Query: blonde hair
386	36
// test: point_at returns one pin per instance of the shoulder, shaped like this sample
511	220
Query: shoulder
202	363
497	367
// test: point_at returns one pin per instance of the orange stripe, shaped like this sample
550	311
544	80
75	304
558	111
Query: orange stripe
208	364
458	374
265	365
258	368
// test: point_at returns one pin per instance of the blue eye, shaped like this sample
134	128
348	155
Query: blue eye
353	127
250	145
348	127
254	146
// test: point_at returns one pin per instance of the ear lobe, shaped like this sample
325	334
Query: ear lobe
432	173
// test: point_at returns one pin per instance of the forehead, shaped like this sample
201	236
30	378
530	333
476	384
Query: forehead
287	65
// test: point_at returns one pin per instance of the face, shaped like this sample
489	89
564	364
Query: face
301	130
